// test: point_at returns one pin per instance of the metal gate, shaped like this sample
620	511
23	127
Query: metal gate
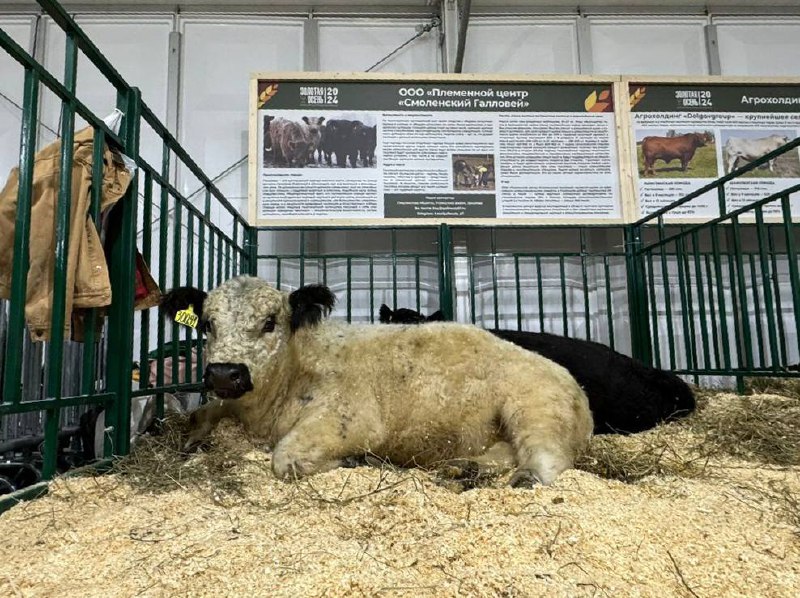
722	297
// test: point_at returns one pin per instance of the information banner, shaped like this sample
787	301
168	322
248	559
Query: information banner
686	135
411	151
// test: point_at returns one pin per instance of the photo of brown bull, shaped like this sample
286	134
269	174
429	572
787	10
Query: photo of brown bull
678	147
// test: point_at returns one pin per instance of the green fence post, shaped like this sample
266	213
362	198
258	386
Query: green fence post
12	373
123	270
446	271
251	236
637	296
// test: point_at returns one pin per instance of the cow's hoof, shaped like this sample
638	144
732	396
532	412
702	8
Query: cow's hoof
197	438
524	478
285	467
352	461
468	473
193	444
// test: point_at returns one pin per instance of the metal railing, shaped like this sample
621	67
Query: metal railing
397	266
495	277
722	297
180	243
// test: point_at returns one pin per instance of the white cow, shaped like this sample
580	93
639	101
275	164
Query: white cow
751	149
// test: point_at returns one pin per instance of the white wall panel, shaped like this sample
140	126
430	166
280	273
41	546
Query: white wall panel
218	57
12	77
137	47
653	46
357	44
521	46
759	47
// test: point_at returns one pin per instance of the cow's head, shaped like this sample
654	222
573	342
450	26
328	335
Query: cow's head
314	124
339	129
703	139
248	325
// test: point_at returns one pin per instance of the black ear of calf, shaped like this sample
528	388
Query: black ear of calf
309	304
436	316
181	298
384	314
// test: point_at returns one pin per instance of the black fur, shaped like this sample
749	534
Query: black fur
385	314
406	316
625	395
310	304
181	298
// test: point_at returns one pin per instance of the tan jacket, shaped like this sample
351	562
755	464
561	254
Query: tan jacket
88	283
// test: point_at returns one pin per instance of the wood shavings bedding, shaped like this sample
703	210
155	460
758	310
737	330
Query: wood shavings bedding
220	524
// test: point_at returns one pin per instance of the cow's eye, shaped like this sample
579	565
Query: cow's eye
269	325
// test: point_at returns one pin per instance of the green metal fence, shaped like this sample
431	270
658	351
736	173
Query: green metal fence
44	383
561	279
722	297
568	280
364	267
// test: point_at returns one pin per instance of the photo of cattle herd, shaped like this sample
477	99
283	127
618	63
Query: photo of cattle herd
473	172
693	154
319	142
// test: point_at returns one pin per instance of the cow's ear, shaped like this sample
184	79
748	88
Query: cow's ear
320	120
305	120
384	314
436	316
181	298
309	304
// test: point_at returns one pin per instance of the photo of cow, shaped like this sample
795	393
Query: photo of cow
742	146
319	141
674	153
473	172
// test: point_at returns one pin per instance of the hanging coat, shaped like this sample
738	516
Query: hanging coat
87	278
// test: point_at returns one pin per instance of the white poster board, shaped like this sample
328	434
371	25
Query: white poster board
390	149
685	134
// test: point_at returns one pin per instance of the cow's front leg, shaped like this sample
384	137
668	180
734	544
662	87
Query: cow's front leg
203	420
325	440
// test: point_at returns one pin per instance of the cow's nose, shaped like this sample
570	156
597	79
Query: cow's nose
228	380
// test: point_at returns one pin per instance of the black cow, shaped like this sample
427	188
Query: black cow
625	395
339	139
367	140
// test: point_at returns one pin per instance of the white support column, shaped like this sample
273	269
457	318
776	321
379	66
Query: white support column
173	80
585	62
311	43
449	16
175	42
712	50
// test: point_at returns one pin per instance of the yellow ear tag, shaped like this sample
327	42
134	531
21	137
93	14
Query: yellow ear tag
187	317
